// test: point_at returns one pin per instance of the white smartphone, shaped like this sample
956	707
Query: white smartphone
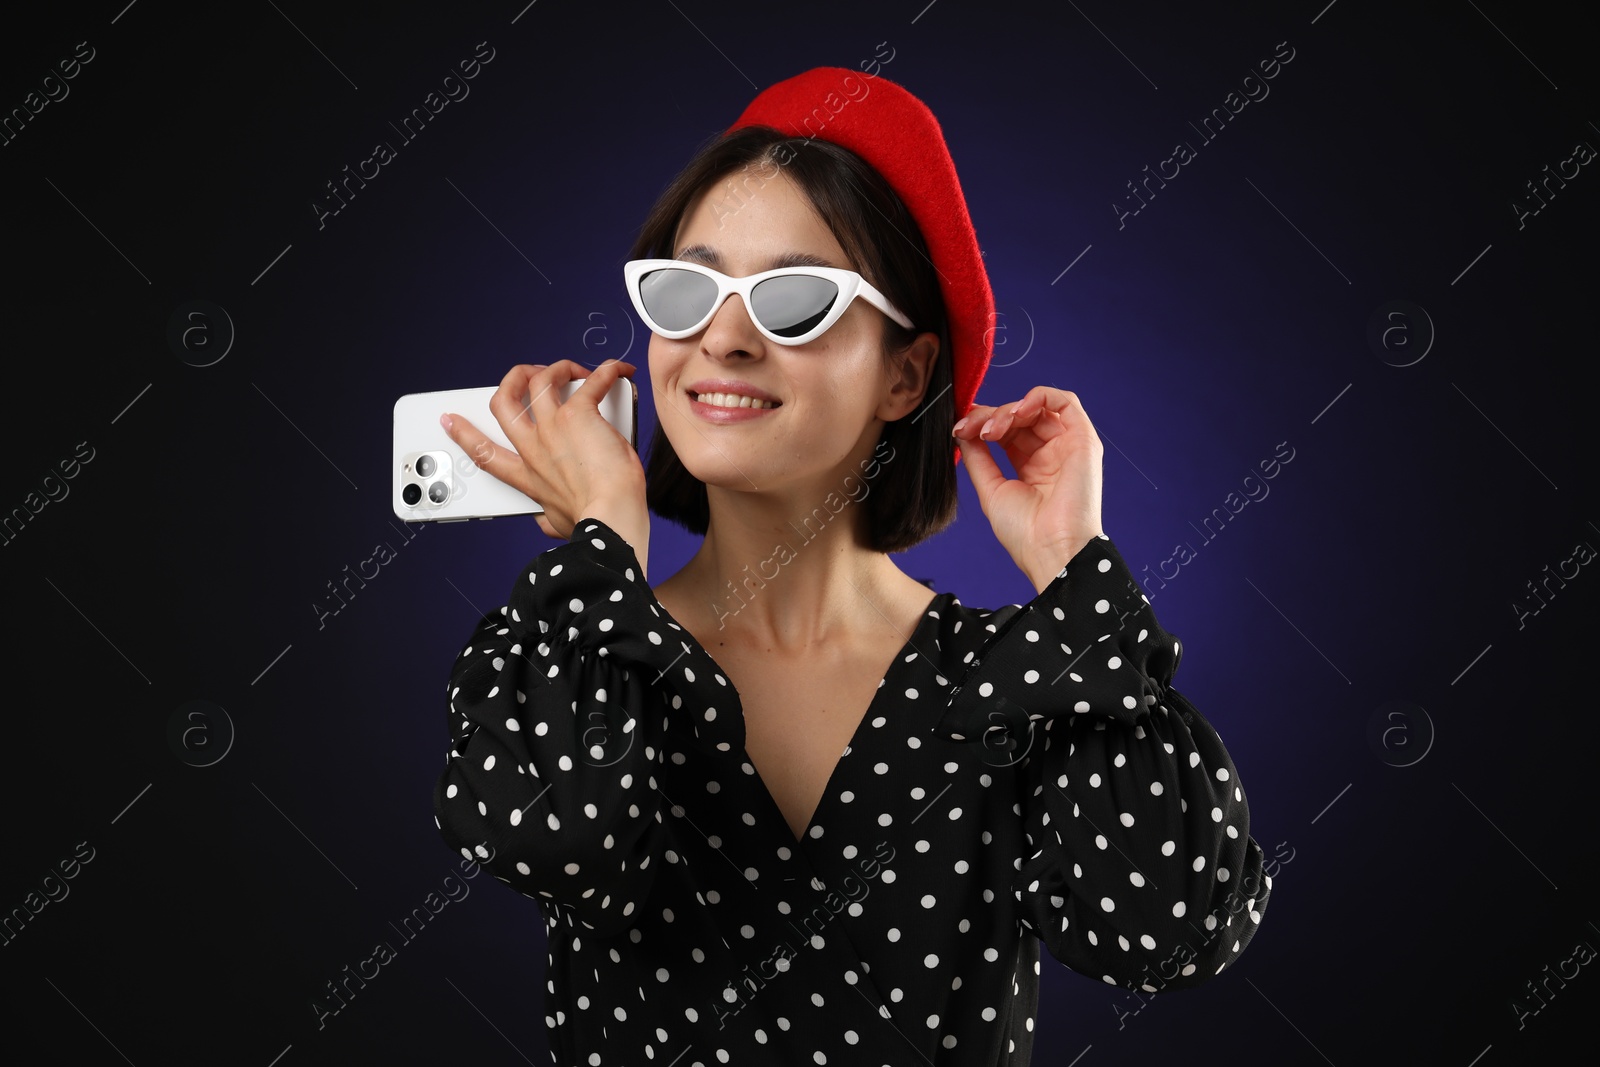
435	481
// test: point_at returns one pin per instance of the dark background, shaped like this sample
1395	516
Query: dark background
1434	854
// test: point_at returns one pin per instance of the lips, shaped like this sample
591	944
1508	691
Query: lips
723	416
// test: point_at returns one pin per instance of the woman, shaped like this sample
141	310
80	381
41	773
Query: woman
659	766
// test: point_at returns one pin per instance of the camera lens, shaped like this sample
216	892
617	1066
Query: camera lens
425	466
438	492
411	494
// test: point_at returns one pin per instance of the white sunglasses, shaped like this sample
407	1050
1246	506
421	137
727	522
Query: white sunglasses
790	306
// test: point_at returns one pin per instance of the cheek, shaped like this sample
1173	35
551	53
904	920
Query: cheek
849	368
667	361
659	363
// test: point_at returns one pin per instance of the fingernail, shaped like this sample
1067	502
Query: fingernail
446	422
986	426
958	426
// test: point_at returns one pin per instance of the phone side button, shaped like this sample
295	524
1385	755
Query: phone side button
450	520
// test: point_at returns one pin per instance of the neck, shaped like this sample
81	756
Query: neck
788	572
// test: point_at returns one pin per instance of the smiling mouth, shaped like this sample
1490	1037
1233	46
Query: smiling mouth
733	401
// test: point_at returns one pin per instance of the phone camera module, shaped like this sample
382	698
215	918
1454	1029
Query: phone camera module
427	481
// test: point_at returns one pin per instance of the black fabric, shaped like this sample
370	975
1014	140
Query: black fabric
1023	774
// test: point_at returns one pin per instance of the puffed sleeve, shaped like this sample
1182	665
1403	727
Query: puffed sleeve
549	780
1141	870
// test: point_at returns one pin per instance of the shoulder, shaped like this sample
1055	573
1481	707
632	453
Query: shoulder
960	632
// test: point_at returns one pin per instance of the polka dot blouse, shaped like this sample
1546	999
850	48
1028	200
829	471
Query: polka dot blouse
1024	774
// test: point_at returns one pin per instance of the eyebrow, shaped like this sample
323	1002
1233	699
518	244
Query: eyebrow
712	258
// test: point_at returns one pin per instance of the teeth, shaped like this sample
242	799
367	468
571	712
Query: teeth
733	400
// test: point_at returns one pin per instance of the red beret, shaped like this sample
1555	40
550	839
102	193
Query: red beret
898	136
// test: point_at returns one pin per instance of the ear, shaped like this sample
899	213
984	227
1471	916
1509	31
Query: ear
914	370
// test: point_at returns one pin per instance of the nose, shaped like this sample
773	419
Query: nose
731	332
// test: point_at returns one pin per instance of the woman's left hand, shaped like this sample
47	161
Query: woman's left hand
1051	509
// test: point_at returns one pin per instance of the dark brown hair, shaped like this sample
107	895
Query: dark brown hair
914	495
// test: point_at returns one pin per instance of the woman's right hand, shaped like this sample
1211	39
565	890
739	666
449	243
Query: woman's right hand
568	457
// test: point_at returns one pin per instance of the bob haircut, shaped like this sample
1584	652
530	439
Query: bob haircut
916	496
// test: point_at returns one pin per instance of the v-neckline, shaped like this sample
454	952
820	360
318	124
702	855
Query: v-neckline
866	716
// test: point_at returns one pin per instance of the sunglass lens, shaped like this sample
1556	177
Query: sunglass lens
791	305
676	299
